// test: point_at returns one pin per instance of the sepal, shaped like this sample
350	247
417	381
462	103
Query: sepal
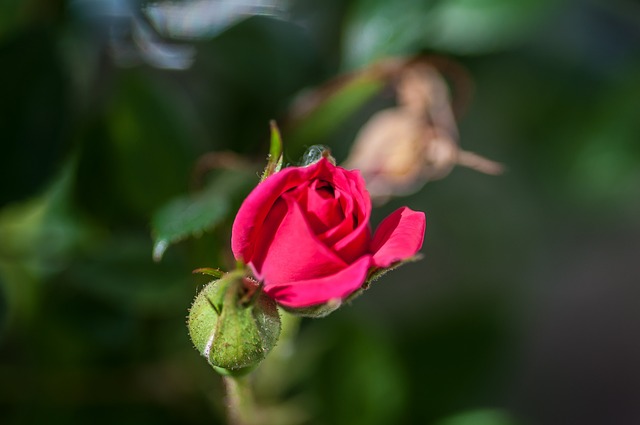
274	161
315	311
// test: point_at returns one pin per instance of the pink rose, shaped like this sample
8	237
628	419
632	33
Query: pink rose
305	233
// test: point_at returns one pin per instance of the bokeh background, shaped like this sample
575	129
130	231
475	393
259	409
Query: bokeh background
525	309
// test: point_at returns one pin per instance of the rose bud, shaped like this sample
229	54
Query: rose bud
233	324
305	234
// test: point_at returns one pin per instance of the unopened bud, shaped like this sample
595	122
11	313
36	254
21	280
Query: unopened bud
233	324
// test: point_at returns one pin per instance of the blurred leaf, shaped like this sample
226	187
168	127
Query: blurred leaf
44	230
479	417
187	216
317	126
381	28
121	273
39	238
193	215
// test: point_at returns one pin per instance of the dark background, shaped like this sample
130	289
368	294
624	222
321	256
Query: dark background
525	309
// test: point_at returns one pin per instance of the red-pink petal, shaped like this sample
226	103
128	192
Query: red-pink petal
398	237
321	206
257	205
288	250
355	243
310	292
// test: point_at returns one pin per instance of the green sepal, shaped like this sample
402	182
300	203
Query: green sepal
315	311
274	163
377	273
209	271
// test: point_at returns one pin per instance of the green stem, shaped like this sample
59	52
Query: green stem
241	406
269	381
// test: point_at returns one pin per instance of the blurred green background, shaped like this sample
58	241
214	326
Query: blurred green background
525	309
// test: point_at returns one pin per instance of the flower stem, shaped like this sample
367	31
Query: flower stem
241	406
269	381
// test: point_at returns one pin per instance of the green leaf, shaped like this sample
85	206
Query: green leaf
119	271
193	215
182	217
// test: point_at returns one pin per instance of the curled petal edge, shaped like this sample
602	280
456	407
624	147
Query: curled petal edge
398	237
306	293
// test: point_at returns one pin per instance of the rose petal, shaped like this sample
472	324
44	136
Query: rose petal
310	292
321	207
398	237
354	244
289	251
347	225
257	205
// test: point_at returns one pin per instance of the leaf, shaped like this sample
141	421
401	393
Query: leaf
118	272
193	215
186	216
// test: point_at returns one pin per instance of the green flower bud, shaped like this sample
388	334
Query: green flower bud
233	324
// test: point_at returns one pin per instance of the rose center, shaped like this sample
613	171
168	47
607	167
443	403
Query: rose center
321	205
